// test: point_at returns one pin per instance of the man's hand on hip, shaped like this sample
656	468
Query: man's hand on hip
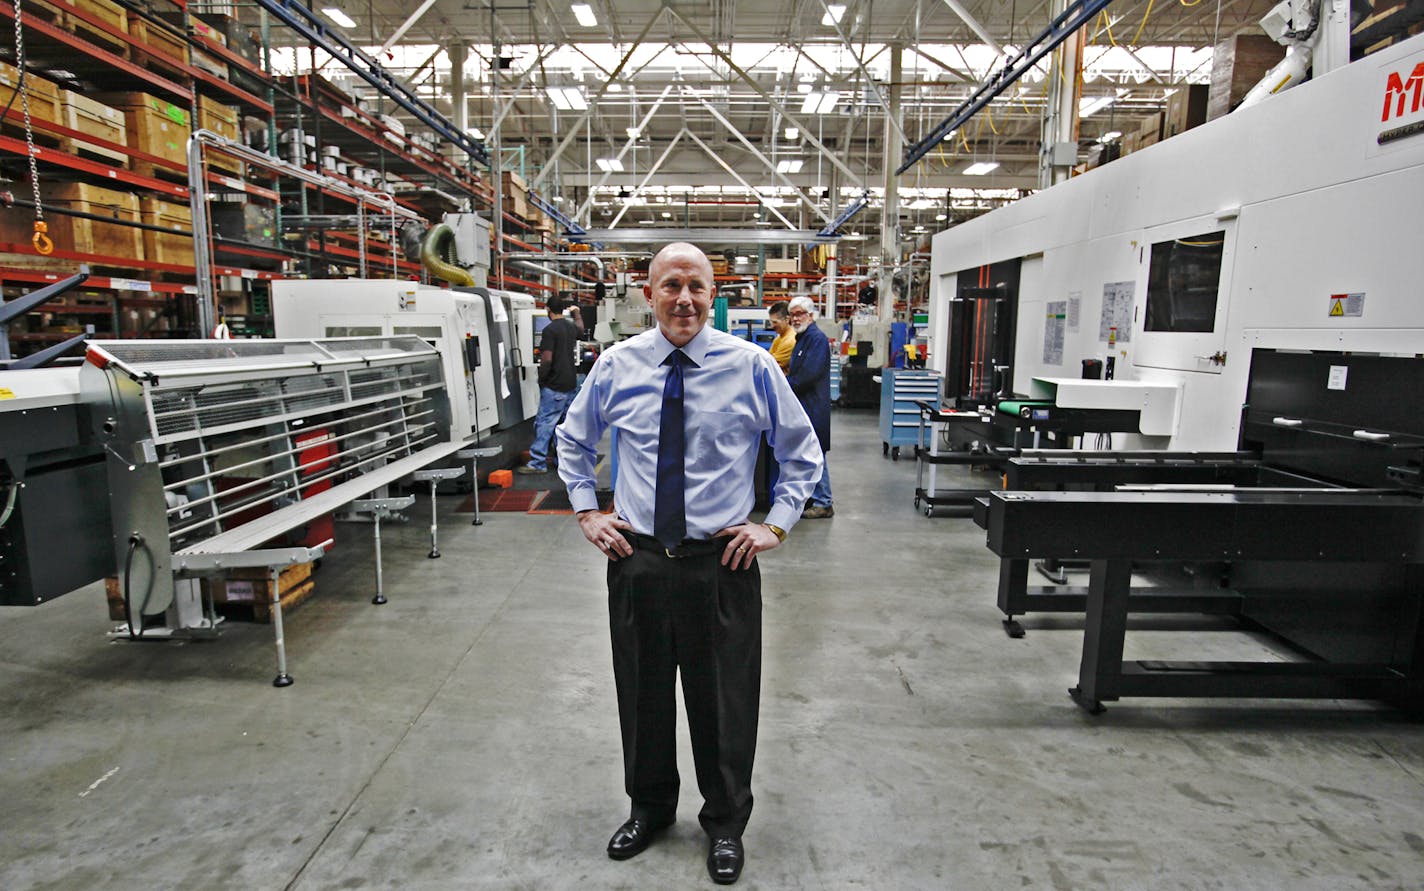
603	531
748	540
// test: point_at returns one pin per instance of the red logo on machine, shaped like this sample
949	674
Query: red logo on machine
1398	91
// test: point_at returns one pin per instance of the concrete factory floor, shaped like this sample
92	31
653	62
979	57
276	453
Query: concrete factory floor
465	734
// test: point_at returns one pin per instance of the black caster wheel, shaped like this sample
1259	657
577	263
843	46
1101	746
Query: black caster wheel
929	511
283	680
378	599
895	454
433	555
884	449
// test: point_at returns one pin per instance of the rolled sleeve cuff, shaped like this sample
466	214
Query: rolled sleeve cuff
584	499
783	516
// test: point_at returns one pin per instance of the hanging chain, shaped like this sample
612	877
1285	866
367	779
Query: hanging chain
41	239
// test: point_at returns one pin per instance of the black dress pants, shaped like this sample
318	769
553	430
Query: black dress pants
693	615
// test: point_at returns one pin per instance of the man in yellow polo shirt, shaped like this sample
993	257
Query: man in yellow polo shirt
785	335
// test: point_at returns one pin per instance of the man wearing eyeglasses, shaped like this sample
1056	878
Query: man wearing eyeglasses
810	377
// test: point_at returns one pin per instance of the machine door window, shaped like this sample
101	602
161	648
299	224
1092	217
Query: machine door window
1183	287
353	331
1183	282
431	333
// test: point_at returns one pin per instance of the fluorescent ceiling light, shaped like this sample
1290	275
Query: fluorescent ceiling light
979	168
1088	107
615	87
609	165
1110	136
567	98
791	165
633	132
667	215
803	88
834	11
820	103
584	13
792	133
476	133
339	16
939	217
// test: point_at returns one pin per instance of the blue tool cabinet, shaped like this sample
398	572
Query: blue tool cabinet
900	391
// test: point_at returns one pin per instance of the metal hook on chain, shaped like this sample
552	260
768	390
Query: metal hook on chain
41	240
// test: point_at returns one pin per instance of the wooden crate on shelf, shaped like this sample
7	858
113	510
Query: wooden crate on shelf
163	41
106	11
155	126
243	594
80	235
43	94
96	119
248	592
222	120
164	247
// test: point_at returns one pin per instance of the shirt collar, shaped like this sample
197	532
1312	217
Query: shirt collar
696	348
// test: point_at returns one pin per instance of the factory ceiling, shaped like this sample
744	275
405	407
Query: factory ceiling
736	113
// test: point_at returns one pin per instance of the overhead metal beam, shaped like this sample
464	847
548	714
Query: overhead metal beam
974	26
770	100
1077	14
592	102
660	235
736	176
651	170
306	23
763	158
518	85
407	24
643	122
869	81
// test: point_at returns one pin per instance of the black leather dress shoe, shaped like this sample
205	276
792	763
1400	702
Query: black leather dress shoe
633	837
724	860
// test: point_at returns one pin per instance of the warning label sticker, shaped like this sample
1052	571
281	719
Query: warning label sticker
1347	306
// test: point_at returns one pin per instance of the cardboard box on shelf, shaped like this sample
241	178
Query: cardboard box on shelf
44	94
777	266
1186	108
167	247
1237	63
155	126
98	120
1150	131
80	234
516	194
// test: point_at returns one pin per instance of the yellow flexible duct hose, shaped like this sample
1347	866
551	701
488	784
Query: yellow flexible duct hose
432	256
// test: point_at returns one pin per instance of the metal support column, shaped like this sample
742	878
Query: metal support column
1060	111
890	211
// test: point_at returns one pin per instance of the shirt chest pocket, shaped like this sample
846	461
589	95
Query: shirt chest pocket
717	437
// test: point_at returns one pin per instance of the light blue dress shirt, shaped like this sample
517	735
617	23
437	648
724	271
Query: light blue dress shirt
734	392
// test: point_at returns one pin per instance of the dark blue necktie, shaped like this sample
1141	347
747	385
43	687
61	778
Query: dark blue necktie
669	506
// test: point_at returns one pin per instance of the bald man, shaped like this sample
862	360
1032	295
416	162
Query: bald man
690	405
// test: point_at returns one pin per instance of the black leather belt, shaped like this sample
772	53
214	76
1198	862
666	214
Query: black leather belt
689	547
